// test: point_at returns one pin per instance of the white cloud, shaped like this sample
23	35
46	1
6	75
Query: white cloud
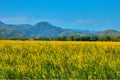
85	21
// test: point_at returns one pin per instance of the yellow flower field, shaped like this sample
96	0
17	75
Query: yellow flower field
59	60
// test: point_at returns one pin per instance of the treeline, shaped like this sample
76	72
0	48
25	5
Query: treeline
87	38
70	38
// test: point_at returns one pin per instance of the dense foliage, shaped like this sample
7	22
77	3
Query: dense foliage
87	38
69	38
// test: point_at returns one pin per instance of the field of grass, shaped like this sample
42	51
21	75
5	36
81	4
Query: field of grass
59	60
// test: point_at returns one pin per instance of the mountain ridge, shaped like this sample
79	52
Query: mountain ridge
45	29
39	29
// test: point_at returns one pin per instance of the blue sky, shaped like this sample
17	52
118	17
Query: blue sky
77	14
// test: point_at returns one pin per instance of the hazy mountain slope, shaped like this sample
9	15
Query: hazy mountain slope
6	33
45	29
112	33
39	29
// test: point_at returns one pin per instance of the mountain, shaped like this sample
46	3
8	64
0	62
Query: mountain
40	29
86	32
1	23
6	33
111	33
45	29
83	31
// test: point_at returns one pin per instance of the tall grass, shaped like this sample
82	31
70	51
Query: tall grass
59	60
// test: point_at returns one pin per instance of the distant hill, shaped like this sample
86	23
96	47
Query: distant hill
45	29
83	31
1	23
39	29
111	33
6	33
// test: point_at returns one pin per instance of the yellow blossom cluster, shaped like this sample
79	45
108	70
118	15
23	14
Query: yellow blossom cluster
59	60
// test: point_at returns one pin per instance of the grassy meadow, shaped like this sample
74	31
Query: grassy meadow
59	60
